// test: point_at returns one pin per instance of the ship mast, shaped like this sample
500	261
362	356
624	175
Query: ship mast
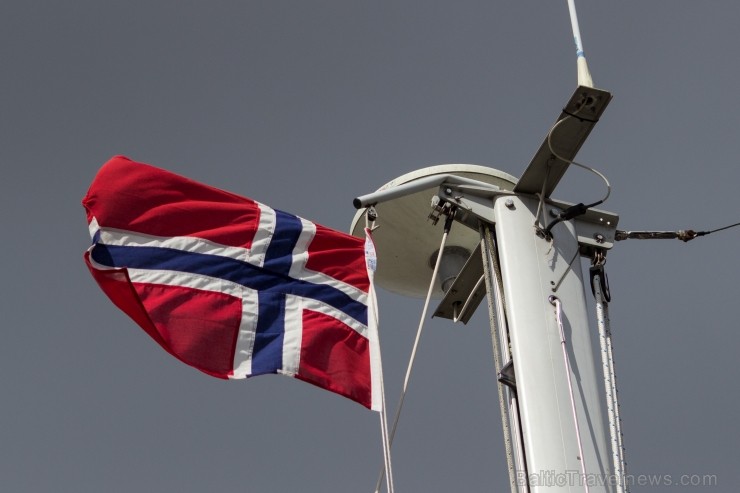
516	246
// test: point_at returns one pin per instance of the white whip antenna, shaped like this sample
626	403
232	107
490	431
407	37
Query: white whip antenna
584	76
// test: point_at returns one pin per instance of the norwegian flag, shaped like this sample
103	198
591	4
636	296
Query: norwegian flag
231	286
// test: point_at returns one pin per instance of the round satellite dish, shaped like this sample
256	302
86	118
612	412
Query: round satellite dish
407	242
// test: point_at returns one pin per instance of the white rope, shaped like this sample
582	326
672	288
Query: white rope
373	319
610	385
412	358
603	322
558	314
617	418
457	316
387	465
616	401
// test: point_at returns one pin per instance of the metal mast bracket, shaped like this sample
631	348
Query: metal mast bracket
596	228
575	123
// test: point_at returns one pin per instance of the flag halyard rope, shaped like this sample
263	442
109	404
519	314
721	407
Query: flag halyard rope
412	357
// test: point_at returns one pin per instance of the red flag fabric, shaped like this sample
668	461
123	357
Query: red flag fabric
232	287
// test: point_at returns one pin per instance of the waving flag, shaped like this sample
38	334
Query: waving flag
231	286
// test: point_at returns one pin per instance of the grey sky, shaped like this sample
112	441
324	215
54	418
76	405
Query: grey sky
303	105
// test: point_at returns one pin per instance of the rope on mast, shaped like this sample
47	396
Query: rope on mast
412	357
599	286
555	301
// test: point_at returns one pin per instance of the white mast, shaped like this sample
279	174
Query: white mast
527	247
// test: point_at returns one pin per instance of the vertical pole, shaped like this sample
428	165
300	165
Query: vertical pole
533	268
584	76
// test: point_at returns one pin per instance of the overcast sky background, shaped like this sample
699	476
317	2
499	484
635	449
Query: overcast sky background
304	105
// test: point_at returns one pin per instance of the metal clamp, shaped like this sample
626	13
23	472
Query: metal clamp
597	269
